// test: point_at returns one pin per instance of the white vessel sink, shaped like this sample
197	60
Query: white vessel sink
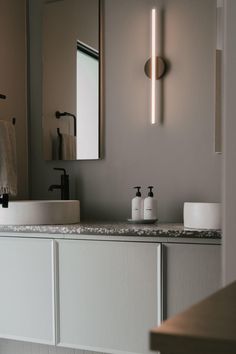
202	215
40	212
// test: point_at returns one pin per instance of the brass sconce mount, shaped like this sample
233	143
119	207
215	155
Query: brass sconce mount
160	68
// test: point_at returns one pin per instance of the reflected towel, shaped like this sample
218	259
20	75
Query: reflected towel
68	147
8	168
56	148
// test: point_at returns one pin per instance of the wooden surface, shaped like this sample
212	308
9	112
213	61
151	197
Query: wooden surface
206	328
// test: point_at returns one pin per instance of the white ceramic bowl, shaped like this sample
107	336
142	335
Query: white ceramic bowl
40	212
202	215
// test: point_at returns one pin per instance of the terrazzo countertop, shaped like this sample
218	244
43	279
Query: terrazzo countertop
120	231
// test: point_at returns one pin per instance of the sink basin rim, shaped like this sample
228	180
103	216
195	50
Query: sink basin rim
41	212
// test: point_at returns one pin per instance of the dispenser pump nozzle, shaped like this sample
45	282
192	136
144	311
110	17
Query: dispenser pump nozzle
150	194
138	193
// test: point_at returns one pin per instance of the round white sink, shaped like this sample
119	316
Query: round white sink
202	215
40	212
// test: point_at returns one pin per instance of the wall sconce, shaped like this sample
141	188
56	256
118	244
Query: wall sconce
155	67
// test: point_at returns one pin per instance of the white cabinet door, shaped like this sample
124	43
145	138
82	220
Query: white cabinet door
191	273
109	295
27	290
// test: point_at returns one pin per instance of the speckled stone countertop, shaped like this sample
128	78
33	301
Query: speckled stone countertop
110	230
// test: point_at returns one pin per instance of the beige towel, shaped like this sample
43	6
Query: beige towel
68	147
8	174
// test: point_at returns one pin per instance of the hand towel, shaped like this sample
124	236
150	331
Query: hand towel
8	167
68	147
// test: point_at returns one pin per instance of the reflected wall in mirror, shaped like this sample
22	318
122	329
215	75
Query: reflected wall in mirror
71	79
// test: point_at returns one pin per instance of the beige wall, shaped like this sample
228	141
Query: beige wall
13	66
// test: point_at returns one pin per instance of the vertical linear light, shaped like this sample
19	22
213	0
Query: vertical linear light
153	68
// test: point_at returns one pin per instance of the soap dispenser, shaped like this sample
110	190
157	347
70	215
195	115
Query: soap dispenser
137	206
150	206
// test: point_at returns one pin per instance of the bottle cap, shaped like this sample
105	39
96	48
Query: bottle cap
138	193
150	194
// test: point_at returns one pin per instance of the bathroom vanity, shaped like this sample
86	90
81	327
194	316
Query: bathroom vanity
101	287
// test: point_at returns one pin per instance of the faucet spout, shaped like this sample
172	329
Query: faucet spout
54	186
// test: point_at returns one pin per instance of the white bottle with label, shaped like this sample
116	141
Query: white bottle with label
137	206
150	206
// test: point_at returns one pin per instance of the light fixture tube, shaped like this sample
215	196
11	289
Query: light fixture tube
153	68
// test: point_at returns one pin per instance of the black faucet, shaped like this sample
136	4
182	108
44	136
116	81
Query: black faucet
64	186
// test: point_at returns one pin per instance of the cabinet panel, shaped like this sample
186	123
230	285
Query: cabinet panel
191	273
109	295
27	291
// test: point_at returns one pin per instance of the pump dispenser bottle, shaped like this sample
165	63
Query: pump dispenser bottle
150	206
137	206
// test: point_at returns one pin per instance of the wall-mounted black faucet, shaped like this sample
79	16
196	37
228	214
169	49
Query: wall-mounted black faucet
64	186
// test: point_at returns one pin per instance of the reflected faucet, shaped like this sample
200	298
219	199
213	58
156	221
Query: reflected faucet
64	186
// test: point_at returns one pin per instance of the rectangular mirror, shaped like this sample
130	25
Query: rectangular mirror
71	79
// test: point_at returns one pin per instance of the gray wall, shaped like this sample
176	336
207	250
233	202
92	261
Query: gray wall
176	157
229	167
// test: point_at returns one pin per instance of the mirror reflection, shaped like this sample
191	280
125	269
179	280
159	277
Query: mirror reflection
71	79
